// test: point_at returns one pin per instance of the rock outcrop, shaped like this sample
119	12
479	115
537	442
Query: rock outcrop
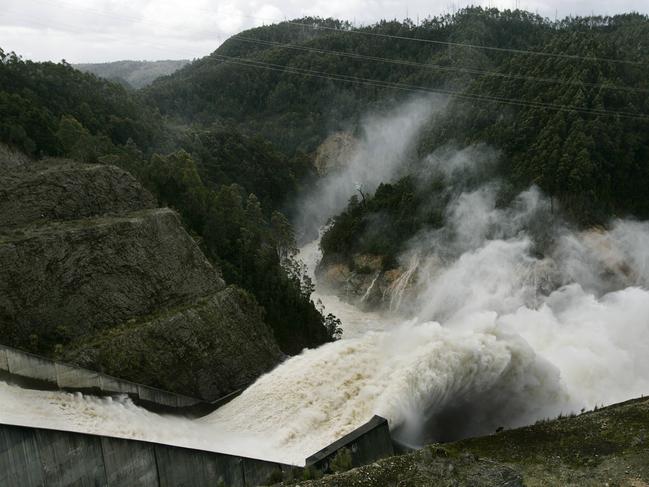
366	284
92	272
334	153
207	349
81	275
64	190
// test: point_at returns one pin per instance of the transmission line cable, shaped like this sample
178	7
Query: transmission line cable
422	89
410	88
434	67
464	45
395	60
316	26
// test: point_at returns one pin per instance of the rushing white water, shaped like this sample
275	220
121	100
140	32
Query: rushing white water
501	337
369	289
398	288
503	355
488	349
355	322
119	417
385	140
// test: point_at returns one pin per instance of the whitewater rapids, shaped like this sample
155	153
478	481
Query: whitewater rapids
495	336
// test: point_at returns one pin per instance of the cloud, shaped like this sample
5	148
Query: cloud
107	30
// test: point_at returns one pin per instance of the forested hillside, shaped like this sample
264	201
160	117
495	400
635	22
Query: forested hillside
208	175
296	82
54	109
227	139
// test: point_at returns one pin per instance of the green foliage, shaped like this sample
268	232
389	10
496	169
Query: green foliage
370	226
78	143
176	181
333	326
342	461
252	250
593	165
276	477
297	112
228	157
311	473
52	109
25	126
34	97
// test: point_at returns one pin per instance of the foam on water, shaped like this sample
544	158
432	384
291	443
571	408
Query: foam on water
119	417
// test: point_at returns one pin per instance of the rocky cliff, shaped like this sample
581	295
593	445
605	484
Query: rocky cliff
367	284
92	272
335	152
207	349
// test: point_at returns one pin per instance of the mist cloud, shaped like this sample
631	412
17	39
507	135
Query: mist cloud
384	147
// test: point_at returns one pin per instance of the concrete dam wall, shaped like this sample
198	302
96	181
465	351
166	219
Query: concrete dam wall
29	370
366	444
39	457
31	457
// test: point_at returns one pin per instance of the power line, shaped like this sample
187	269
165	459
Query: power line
382	35
422	89
412	88
465	45
399	61
438	67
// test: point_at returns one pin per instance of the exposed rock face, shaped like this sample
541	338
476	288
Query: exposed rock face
80	275
364	283
62	190
334	153
10	158
92	271
216	345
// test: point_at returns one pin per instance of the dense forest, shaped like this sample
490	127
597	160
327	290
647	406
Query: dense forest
228	139
565	152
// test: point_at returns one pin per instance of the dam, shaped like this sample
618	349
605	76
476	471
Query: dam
484	344
36	451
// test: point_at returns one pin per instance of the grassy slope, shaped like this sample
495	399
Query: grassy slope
609	446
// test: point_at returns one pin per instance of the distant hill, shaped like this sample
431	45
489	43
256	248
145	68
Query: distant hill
134	74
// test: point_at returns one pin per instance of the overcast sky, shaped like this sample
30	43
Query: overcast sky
110	30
